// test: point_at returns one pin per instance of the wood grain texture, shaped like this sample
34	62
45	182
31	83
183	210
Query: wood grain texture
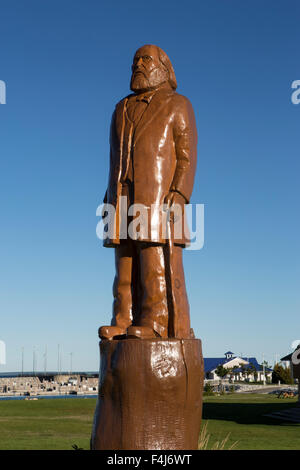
150	395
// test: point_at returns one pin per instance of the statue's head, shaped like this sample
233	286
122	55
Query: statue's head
151	68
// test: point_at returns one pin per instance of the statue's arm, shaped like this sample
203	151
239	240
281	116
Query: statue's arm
111	143
185	137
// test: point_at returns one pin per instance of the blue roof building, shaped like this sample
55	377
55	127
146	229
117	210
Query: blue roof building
238	366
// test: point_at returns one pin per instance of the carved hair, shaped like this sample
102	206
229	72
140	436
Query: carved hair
164	59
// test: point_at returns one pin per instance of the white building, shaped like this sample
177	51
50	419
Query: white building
240	368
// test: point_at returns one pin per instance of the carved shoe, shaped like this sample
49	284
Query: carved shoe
142	332
109	332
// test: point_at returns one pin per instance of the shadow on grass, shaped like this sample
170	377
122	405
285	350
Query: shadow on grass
247	413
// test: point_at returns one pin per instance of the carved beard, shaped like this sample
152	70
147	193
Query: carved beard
141	81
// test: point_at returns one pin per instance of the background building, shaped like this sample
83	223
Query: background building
240	368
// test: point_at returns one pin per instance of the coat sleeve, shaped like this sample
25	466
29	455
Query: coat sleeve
185	138
113	169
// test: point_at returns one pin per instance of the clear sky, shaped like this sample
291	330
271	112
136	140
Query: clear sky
65	64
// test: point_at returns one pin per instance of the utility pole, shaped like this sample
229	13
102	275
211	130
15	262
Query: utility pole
60	361
71	356
58	366
33	361
45	360
22	360
58	358
264	381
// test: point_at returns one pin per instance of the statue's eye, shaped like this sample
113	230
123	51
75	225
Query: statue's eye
147	58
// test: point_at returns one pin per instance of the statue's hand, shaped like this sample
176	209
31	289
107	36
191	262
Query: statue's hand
174	198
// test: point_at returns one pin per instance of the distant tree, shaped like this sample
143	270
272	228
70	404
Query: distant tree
230	374
208	389
221	372
282	374
251	370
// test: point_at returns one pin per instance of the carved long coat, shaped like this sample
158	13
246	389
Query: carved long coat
164	153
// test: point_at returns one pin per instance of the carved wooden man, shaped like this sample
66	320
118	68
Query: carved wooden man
153	141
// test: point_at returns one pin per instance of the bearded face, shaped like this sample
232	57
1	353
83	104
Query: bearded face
148	72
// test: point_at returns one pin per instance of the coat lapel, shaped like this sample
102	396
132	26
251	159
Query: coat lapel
160	99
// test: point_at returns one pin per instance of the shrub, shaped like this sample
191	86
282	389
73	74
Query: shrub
282	374
208	389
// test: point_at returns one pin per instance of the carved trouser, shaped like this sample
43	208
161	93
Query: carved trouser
142	291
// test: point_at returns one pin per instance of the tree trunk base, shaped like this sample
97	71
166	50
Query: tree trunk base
150	395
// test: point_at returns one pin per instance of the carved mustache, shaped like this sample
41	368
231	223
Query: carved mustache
135	72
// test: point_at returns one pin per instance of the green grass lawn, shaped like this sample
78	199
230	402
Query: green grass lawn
242	417
60	423
46	424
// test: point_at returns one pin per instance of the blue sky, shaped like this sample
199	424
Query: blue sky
65	64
